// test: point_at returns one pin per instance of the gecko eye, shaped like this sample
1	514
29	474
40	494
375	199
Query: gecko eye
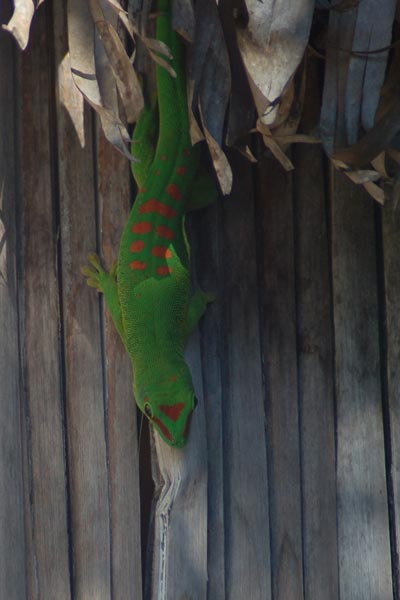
148	411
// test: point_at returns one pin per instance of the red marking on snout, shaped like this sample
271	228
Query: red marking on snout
142	227
174	192
173	411
154	205
163	428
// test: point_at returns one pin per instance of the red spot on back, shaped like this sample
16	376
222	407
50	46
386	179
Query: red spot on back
157	172
164	270
138	265
163	157
142	227
165	232
186	152
161	251
181	170
173	411
163	428
173	378
141	190
174	191
154	205
137	246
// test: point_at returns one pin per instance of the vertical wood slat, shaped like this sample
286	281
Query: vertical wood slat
46	503
87	455
391	266
316	377
206	253
364	550
12	543
279	347
247	559
114	205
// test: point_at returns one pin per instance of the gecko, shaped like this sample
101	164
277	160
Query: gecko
148	291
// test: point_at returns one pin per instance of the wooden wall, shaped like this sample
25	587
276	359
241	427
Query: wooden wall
290	486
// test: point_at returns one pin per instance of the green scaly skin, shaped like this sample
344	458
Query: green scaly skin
148	291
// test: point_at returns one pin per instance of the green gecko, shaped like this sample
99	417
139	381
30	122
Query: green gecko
148	290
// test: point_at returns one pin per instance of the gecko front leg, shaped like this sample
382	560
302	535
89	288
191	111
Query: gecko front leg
106	283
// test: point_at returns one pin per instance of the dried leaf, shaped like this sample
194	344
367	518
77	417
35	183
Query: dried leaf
272	46
83	69
376	192
373	142
220	162
71	98
183	20
209	71
273	145
125	76
20	22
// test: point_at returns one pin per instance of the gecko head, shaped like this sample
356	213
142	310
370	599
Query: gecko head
169	407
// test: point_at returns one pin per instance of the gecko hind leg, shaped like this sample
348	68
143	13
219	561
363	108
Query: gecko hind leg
106	283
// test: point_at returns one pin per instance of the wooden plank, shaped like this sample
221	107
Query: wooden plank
12	543
206	254
179	562
114	203
247	559
363	535
47	542
87	454
315	350
279	348
391	265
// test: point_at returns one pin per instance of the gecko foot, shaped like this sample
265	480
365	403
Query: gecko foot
97	276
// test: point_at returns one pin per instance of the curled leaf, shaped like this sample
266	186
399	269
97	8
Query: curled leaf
220	162
20	22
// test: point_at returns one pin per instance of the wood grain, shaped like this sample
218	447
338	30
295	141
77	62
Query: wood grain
364	550
315	356
123	458
247	558
279	348
86	444
207	258
48	574
12	542
391	271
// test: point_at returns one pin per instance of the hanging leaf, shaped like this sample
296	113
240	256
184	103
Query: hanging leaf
20	22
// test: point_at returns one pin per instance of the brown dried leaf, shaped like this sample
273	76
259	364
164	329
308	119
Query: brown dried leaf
20	22
220	162
273	145
376	192
83	68
125	76
375	141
